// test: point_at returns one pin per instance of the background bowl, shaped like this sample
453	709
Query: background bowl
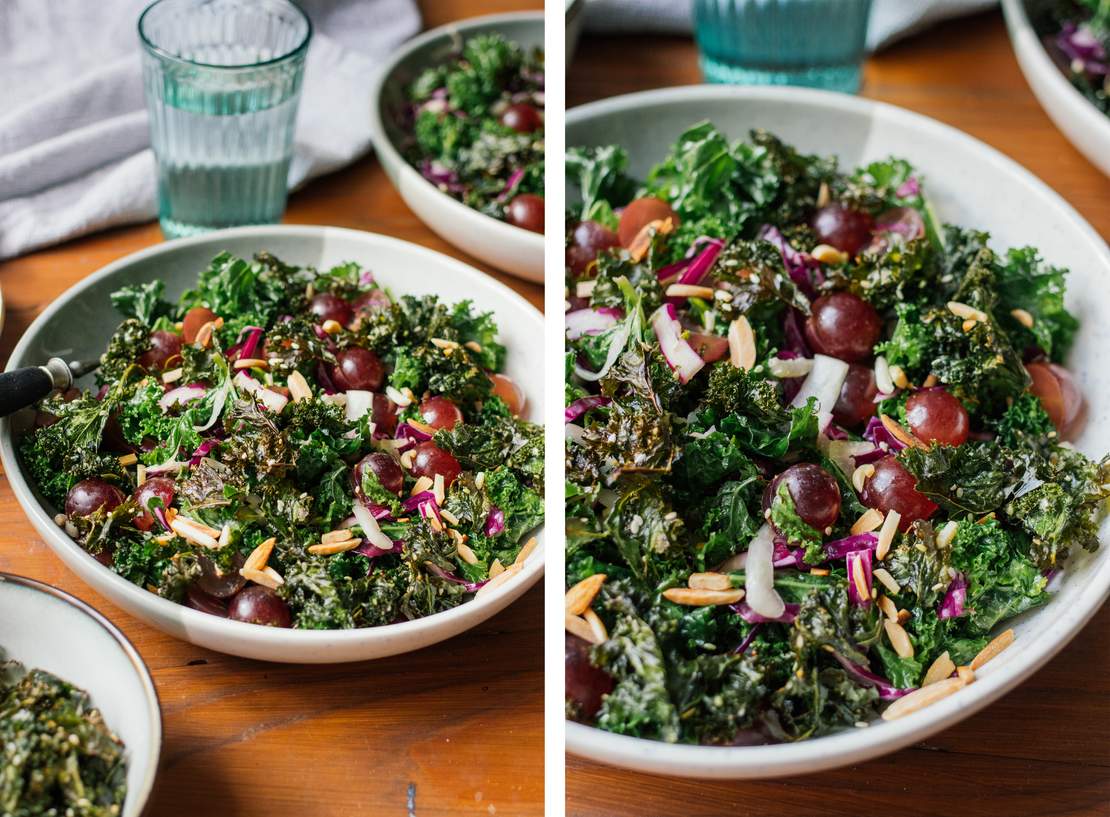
1084	125
44	628
968	183
79	323
504	246
575	10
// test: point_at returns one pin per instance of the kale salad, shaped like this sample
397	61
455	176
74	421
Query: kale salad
816	443
1077	35
57	756
296	448
476	125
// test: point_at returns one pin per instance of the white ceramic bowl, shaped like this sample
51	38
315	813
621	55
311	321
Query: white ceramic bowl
1084	125
81	320
970	184
506	247
44	628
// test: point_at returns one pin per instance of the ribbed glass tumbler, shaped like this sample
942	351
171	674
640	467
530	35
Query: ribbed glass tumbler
222	78
818	43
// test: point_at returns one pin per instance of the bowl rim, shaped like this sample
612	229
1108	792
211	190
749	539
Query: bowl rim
388	152
994	680
1024	39
153	702
270	636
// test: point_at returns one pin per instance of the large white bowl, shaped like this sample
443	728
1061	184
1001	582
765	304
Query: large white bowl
44	628
506	247
1084	125
970	184
79	323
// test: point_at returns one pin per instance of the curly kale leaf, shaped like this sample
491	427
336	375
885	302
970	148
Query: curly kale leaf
718	696
976	477
599	173
126	346
1002	580
498	441
754	274
731	520
648	532
247	293
888	276
143	302
1025	282
919	567
523	507
1024	425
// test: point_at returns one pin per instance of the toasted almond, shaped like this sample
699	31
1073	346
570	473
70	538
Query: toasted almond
883	381
421	485
128	459
204	334
861	475
498	580
398	398
859	579
869	520
479	480
260	555
331	548
702	598
819	571
438	488
433	519
1023	317
940	669
886	533
969	324
903	436
475	346
794	367
332	327
889	608
641	243
526	551
423	428
140	474
689	291
218	323
965	674
885	579
496	568
823	194
441	343
597	626
930	381
584	289
448	517
298	387
333	536
921	698
903	616
309	291
173	375
967	312
898	377
947	533
1000	642
466	554
224	538
576	625
828	254
193	532
252	363
267	577
406	459
582	595
899	638
709	581
741	344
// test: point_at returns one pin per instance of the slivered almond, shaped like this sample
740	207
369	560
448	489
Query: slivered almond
899	638
448	517
858	579
689	291
331	548
861	475
398	398
582	595
224	538
421	485
882	376
596	625
828	254
1001	642
969	324
887	605
823	194
921	698
939	669
641	243
204	334
498	580
967	312
526	551
709	581
332	327
140	474
1023	317
128	459
947	533
423	428
406	459
741	344
903	616
576	625
267	577
886	533
496	568
584	289
898	377
441	343
298	387
899	433
190	531
930	381
333	536
885	579
480	480
173	375
869	520
438	488
466	554
794	367
819	571
260	555
475	346
702	598
252	363
965	674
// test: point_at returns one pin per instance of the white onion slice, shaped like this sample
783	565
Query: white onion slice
180	396
370	527
574	433
587	322
823	382
358	403
759	576
679	354
616	346
842	452
270	399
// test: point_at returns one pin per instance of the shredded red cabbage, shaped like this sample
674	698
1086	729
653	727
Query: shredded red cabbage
952	605
582	405
887	690
373	552
744	610
405	431
804	271
436	570
202	451
840	548
495	521
747	642
876	433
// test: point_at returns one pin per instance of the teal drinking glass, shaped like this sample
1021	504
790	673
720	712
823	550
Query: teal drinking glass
222	79
818	43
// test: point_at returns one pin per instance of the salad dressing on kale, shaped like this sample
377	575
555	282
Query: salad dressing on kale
816	448
294	447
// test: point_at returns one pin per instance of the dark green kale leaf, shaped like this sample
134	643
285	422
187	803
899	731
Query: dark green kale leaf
1025	282
906	272
1024	425
600	177
247	293
731	520
1002	580
976	477
143	302
126	346
717	696
919	567
754	274
498	441
648	532
522	506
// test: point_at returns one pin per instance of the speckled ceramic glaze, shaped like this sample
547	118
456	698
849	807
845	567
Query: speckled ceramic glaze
80	322
968	183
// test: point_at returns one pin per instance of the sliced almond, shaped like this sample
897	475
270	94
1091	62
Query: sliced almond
191	531
448	517
466	554
641	243
899	638
496	581
889	608
597	626
969	324
422	484
947	533
128	459
441	343
332	327
883	381
965	674
938	670
828	254
1000	642
709	581
1023	317
861	475
397	398
584	289
921	698
886	533
140	474
967	312
224	539
930	381
898	377
496	568
741	344
406	459
869	520
526	551
298	387
476	347
576	625
204	335
702	598
333	536
899	433
252	363
819	571
173	375
689	291
267	577
794	367
581	596
331	548
260	555
885	579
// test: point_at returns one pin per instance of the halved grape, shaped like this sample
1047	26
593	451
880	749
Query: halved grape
358	368
156	487
639	214
522	117
328	307
1055	387
195	318
221	584
856	402
934	415
163	347
814	490
585	684
587	240
526	211
892	487
260	605
440	412
842	227
429	459
90	495
382	466
844	326
507	389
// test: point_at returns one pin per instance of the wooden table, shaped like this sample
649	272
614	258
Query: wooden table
1041	750
454	729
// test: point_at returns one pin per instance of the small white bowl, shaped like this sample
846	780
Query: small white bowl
45	628
79	323
506	247
970	184
1084	125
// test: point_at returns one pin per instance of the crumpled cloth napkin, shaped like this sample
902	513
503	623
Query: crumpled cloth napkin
890	19
74	147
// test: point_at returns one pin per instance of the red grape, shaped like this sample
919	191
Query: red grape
163	347
522	118
842	227
507	389
844	326
1056	389
440	412
260	605
90	495
195	318
156	487
217	582
893	488
199	600
934	415
357	368
429	459
815	492
587	241
384	414
856	402
641	212
526	211
382	466
328	307
586	685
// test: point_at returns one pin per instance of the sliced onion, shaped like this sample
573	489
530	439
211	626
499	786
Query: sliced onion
840	548
952	605
582	405
588	322
495	522
679	355
862	675
358	403
616	346
270	399
845	452
823	382
759	578
745	611
180	396
370	528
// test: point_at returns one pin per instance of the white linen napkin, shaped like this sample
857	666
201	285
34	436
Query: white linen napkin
890	19
74	148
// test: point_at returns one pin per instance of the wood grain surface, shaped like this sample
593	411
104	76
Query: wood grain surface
1041	750
454	729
